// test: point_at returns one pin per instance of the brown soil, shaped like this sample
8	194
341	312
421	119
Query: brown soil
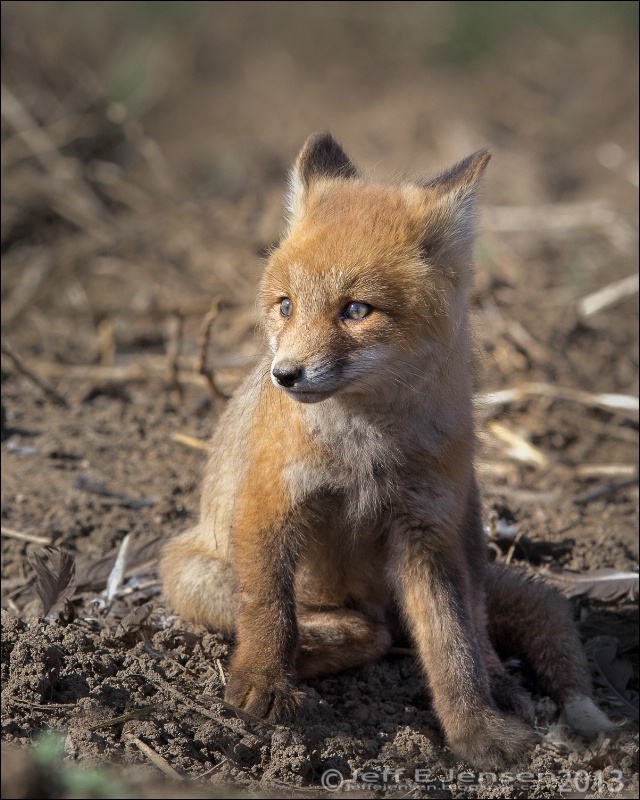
119	236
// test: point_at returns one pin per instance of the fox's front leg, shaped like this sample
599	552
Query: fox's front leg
262	679
433	583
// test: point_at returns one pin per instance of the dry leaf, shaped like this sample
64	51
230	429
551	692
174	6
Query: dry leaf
605	585
134	620
55	579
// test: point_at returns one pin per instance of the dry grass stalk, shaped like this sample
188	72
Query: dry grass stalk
213	769
606	470
221	672
604	491
175	326
198	709
203	347
536	352
512	549
107	343
19	364
156	758
610	402
147	369
26	537
40	706
519	447
138	713
189	441
609	295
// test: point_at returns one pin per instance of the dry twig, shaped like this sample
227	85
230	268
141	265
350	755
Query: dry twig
203	346
609	295
174	345
604	491
189	441
138	713
26	537
221	671
156	758
512	549
19	364
107	343
40	706
610	402
606	470
520	448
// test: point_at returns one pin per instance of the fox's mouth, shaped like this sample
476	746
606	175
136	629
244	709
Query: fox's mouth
304	384
308	395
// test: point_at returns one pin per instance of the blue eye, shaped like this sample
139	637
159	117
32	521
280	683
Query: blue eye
286	307
357	311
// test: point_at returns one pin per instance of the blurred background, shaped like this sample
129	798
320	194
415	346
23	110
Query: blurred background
147	144
145	152
208	103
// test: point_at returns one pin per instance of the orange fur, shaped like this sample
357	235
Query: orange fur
339	505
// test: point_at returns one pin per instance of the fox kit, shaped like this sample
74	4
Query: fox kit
339	506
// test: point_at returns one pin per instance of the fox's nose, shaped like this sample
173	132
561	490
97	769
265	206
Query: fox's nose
286	374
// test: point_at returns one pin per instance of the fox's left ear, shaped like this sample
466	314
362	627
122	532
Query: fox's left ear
454	194
321	157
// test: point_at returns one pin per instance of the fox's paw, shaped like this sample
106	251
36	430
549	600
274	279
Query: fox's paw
511	698
276	701
494	742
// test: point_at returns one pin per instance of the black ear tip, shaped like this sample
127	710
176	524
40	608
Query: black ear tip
482	156
464	174
320	139
321	145
321	155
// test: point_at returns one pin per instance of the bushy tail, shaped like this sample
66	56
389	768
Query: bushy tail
532	621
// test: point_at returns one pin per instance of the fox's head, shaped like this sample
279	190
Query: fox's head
370	282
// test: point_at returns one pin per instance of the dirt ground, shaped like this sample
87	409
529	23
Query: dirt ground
143	165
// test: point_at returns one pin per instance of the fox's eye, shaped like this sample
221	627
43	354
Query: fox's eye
286	307
357	311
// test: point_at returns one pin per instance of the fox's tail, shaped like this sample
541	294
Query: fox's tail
532	621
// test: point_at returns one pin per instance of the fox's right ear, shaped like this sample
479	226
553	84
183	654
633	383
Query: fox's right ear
321	157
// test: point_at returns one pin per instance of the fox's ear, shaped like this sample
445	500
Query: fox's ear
461	179
452	201
321	157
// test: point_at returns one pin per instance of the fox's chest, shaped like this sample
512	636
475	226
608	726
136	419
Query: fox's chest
343	560
349	457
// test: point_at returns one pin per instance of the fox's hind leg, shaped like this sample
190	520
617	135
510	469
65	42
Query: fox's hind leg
198	585
338	639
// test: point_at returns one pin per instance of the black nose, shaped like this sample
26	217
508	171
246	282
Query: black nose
286	375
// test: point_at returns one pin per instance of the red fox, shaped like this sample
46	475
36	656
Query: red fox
340	507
